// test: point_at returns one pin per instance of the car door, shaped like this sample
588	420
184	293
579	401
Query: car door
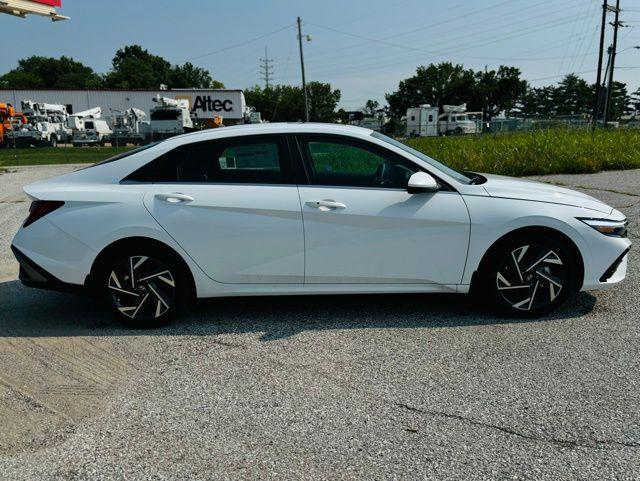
362	226
233	206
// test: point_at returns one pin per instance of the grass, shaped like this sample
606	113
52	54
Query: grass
538	152
57	155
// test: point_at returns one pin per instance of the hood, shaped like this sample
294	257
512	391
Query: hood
510	188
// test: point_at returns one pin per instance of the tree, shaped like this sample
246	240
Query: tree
285	103
136	68
48	72
448	84
190	76
371	108
574	96
436	85
497	90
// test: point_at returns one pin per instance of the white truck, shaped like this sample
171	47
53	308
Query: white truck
129	127
425	121
457	121
47	125
89	128
169	117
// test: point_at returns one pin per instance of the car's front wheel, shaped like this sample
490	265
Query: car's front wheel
145	289
531	275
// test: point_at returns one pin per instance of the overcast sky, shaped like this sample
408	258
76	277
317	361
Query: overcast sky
362	47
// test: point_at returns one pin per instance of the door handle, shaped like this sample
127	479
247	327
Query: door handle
326	204
175	198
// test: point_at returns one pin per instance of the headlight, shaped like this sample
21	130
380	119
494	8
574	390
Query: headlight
613	228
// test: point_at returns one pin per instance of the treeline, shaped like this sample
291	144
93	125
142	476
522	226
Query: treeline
132	68
491	91
503	90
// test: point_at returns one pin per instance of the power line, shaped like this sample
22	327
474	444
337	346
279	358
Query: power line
242	44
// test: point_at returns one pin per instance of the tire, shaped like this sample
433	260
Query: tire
529	276
145	287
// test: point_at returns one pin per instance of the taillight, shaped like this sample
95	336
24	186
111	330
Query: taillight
40	208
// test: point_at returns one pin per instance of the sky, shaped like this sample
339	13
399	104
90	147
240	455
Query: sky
362	47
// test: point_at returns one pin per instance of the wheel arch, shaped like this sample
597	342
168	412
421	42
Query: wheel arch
125	245
543	230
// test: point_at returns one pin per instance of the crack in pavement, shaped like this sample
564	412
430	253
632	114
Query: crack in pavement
590	443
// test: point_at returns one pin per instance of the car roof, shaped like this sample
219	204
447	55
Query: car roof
269	128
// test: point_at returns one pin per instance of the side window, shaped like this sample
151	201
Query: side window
342	162
237	160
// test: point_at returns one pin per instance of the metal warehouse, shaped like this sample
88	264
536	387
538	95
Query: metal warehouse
204	103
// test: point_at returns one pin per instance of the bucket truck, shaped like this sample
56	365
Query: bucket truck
128	127
169	117
88	127
46	125
9	121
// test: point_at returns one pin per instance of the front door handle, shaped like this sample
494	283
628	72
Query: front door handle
326	204
175	198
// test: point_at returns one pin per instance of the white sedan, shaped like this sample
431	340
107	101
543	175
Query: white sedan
286	209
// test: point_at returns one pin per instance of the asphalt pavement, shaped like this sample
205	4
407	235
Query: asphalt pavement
310	388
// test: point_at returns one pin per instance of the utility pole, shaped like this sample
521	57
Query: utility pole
616	25
266	68
596	105
304	81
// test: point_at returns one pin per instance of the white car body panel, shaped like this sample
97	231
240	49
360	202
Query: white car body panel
240	239
236	233
382	235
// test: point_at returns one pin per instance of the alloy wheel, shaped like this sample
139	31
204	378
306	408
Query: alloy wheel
531	277
142	287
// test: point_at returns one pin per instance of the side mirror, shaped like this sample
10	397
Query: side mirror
422	182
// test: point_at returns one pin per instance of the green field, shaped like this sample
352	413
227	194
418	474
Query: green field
538	152
57	155
518	154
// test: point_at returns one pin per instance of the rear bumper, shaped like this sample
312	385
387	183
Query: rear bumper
32	275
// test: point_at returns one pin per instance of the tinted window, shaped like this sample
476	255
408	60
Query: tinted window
249	160
342	162
165	115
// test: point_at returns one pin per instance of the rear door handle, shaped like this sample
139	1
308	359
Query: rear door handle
175	198
326	204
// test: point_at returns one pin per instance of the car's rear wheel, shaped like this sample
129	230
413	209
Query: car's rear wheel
145	289
529	276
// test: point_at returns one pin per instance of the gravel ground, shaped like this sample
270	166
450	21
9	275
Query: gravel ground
379	387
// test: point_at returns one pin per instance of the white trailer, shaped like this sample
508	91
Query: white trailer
47	125
422	121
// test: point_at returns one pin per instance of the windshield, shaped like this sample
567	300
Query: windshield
459	176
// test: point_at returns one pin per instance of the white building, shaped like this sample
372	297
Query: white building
204	103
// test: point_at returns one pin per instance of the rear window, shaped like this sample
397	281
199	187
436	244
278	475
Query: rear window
252	160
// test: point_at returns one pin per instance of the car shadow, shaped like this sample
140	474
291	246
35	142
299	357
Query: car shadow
28	312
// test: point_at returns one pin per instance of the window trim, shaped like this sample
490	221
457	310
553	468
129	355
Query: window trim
285	158
376	149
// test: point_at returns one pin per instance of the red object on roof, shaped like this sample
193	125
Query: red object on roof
53	3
